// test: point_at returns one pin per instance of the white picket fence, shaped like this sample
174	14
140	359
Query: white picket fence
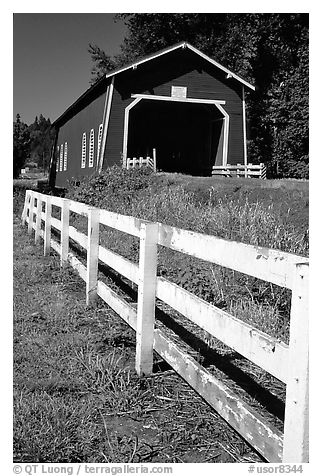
239	170
288	363
132	163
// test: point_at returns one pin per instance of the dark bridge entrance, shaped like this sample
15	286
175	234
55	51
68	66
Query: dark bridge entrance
188	137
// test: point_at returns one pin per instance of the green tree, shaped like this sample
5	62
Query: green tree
41	138
288	115
102	62
21	145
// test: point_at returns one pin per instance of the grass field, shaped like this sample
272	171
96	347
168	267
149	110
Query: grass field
76	395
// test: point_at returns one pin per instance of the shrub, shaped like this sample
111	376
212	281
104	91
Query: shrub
113	188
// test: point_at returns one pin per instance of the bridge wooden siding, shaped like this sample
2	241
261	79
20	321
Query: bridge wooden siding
289	363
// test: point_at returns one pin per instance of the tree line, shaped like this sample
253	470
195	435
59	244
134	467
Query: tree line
32	144
269	50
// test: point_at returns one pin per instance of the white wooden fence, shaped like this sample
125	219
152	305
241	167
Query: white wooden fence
288	363
132	163
239	170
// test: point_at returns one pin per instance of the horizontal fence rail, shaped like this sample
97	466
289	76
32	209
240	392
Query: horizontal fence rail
240	170
270	265
288	363
135	162
253	344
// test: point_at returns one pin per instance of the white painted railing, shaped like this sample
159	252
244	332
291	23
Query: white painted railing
240	170
132	163
288	363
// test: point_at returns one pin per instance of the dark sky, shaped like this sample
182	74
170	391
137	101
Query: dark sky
51	65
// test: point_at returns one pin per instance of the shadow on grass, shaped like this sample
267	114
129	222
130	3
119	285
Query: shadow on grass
208	356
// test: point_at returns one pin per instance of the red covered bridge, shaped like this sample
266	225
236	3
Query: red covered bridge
178	101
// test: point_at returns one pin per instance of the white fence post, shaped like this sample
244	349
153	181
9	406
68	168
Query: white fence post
263	171
296	425
64	234
154	154
38	217
31	212
47	232
25	207
92	255
146	298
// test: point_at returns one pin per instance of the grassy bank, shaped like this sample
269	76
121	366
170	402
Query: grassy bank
267	213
